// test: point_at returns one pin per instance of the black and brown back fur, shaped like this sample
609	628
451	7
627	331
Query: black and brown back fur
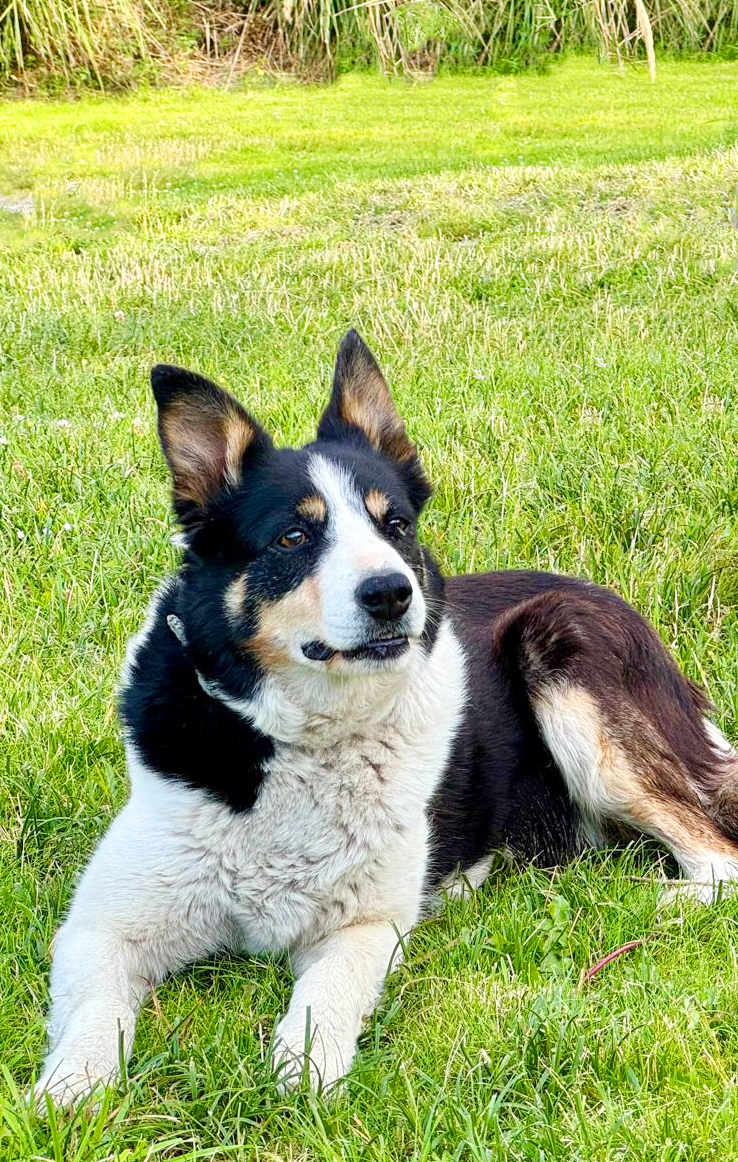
530	637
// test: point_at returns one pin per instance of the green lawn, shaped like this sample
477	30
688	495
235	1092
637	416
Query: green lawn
546	266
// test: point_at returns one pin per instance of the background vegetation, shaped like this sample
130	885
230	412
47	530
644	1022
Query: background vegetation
118	43
551	288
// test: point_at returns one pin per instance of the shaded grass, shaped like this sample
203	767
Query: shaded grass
553	298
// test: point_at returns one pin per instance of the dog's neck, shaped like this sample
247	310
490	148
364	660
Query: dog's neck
318	710
311	708
314	709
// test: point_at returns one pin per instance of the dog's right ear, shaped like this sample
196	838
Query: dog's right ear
361	406
206	436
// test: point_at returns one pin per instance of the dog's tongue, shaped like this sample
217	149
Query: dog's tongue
318	651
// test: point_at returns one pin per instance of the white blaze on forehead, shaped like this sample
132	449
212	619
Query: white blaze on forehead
355	551
334	483
349	522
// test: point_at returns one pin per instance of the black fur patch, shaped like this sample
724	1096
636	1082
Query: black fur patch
180	731
501	787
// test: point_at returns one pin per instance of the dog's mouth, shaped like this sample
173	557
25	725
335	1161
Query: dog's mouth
381	650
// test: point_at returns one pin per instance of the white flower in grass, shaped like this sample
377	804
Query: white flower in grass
591	416
20	534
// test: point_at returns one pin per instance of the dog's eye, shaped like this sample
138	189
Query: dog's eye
398	524
292	539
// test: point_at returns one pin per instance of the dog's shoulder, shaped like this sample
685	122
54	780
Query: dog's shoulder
177	730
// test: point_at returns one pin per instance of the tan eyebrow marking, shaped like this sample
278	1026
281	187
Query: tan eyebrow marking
234	597
377	503
313	508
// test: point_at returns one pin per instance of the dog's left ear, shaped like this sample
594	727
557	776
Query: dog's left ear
361	400
361	404
207	437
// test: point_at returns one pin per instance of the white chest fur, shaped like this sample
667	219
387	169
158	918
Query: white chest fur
338	832
329	865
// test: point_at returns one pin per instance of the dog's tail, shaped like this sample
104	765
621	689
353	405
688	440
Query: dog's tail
631	735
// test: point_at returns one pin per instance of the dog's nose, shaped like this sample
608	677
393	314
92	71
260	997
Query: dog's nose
385	596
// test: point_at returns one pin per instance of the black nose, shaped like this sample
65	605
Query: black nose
385	595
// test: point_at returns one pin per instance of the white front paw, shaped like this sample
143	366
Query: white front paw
311	1051
67	1081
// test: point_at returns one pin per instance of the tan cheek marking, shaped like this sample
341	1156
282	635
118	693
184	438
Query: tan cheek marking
280	621
235	595
313	508
377	504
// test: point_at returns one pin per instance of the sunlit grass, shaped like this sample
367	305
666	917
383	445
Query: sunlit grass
546	267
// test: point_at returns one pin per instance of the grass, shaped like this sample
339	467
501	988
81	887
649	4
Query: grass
547	267
64	43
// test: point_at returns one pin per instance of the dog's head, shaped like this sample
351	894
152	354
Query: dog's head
298	561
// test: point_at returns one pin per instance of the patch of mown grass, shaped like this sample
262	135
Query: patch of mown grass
546	267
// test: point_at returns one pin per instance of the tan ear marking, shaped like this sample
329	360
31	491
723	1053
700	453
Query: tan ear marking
205	445
368	406
238	434
234	597
362	399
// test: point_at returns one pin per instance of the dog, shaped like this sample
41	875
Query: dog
320	732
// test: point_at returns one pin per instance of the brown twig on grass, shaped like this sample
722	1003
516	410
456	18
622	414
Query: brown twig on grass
588	973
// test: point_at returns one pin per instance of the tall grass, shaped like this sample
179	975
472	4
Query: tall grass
109	41
512	34
79	40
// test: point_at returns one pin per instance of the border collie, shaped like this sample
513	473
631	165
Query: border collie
320	732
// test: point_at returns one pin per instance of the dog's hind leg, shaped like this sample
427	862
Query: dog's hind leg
627	730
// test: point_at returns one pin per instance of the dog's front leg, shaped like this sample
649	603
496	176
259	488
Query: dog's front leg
101	974
138	914
98	981
338	984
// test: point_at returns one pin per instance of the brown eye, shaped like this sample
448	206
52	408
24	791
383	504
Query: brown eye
292	539
398	524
